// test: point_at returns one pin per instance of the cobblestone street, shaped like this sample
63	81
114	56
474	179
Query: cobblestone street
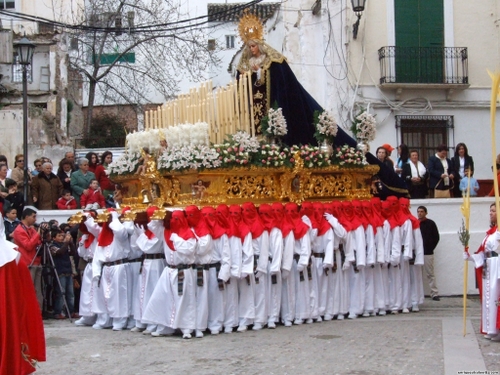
416	343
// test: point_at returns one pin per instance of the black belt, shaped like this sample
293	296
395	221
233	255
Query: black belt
136	260
216	265
296	257
115	263
154	256
319	255
89	260
181	267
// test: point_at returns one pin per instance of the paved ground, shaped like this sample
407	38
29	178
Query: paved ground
428	342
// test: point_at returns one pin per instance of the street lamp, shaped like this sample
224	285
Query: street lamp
358	6
25	49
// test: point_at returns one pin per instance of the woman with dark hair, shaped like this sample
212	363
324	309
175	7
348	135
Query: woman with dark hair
461	161
64	173
441	172
404	155
93	161
105	183
383	157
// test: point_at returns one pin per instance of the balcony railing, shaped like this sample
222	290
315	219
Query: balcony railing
424	65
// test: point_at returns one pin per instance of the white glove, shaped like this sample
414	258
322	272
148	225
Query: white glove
259	274
467	256
332	220
285	274
243	275
346	266
139	228
300	267
327	266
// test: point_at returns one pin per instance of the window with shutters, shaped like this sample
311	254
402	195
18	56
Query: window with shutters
425	133
229	41
419	54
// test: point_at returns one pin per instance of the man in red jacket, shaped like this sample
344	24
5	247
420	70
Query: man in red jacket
28	240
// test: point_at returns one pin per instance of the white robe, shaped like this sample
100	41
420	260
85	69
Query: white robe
369	271
274	274
335	278
491	285
393	249
302	249
288	280
204	252
416	281
246	283
406	255
231	314
260	248
323	244
380	275
216	297
113	279
166	307
357	274
88	291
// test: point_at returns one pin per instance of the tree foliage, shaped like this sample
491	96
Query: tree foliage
106	130
137	49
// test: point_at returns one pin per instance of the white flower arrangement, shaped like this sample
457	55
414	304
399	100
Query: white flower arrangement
274	125
127	163
347	155
245	140
365	127
179	158
326	126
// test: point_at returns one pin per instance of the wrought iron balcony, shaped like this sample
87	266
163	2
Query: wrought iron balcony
424	66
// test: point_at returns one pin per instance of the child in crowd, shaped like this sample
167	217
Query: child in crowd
94	199
67	201
62	248
10	222
15	198
464	184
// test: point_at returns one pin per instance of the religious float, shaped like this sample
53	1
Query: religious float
261	138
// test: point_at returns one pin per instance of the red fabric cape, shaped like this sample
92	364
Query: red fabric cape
241	229
106	236
368	214
196	220
224	220
90	237
210	216
350	220
292	215
388	214
307	209
267	215
279	214
21	326
319	212
252	219
180	226
358	212
405	208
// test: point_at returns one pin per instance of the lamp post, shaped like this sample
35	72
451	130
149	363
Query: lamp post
25	49
358	6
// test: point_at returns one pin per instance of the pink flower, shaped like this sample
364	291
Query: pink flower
292	160
229	149
308	158
241	149
245	161
263	161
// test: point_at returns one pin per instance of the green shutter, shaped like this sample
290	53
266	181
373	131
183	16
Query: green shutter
419	25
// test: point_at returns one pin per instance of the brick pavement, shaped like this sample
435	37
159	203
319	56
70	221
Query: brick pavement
402	344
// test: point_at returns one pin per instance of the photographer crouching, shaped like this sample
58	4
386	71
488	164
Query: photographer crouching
28	241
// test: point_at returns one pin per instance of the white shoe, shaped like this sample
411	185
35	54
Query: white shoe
271	325
298	322
80	322
288	323
309	321
488	336
327	317
117	328
199	333
352	316
394	312
137	329
97	326
381	313
406	311
214	332
340	317
366	314
228	330
373	313
156	334
319	320
186	336
257	327
242	328
415	308
146	332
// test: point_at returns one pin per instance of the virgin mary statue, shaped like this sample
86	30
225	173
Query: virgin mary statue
274	84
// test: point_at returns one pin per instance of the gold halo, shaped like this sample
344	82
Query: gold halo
250	27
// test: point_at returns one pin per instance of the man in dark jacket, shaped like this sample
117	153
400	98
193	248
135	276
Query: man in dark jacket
46	188
430	237
441	172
